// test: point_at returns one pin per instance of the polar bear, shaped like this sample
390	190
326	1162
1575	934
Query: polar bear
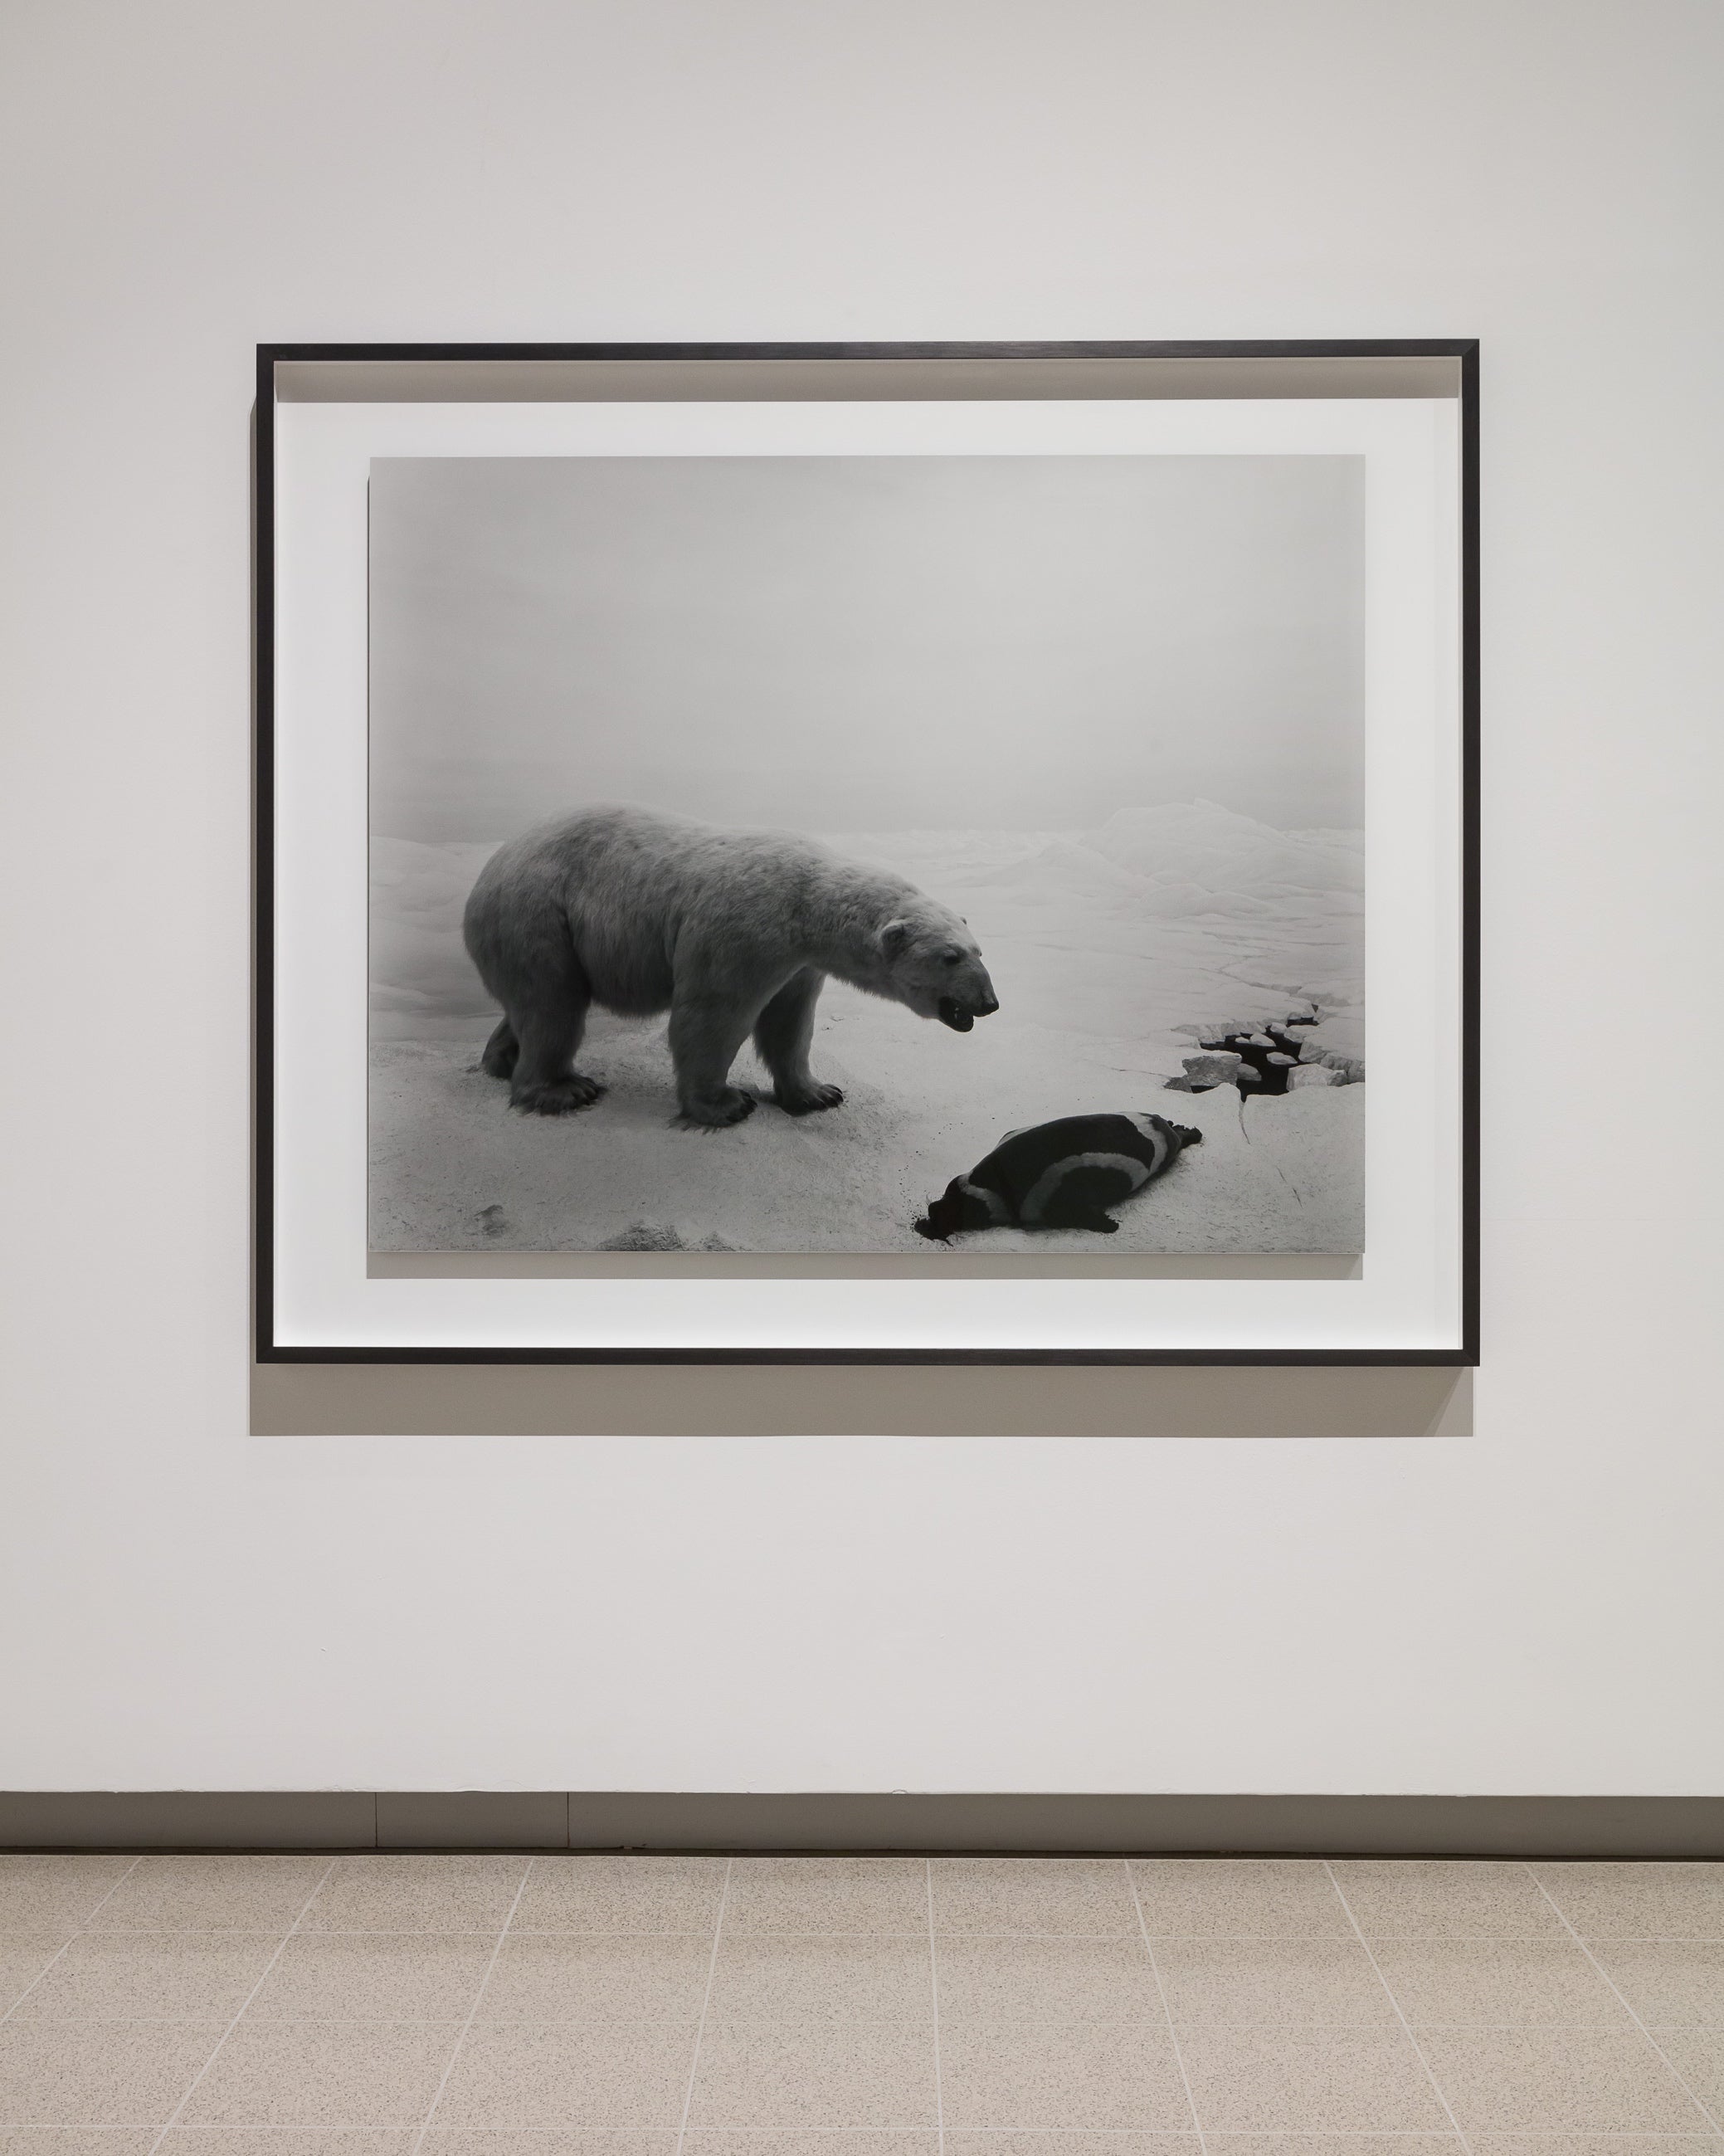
732	931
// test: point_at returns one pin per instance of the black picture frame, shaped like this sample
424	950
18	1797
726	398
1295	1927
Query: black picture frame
267	1349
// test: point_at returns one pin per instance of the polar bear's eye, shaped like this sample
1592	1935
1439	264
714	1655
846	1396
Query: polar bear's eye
950	957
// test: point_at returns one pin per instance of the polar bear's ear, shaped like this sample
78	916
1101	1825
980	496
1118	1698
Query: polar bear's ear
894	936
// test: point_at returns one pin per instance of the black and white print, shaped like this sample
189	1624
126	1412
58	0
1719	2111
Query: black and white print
757	841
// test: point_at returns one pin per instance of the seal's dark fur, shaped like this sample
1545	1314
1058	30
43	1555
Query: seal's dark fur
1062	1175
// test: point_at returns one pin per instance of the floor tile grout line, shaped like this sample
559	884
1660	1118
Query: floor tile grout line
1324	2134
934	1994
687	2094
281	1949
1407	2026
1704	2109
72	1941
571	1931
1279	2025
448	2064
1155	1970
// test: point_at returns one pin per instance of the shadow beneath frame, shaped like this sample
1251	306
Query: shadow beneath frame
709	1400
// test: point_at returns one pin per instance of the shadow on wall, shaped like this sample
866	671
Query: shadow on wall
357	1400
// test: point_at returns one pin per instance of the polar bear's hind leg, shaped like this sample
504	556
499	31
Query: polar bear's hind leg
545	1081
517	934
501	1052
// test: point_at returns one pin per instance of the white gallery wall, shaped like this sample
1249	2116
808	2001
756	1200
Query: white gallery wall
1529	1599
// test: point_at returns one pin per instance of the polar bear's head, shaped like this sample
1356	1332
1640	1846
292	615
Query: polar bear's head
933	965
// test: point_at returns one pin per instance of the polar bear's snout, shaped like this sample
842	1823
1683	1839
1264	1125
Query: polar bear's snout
968	995
973	992
960	1011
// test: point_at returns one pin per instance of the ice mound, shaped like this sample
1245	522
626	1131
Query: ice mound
1062	866
1188	860
1340	1033
422	978
657	1235
930	856
1338	1043
1199	842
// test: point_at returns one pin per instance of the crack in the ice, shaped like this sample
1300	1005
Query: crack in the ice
1245	1133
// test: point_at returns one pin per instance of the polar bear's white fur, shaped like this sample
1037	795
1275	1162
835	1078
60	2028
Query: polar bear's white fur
732	932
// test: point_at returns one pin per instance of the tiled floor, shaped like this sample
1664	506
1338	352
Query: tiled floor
698	2006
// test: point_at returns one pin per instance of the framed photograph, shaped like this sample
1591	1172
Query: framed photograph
867	854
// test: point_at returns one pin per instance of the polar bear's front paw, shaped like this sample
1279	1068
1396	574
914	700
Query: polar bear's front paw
715	1112
556	1096
808	1099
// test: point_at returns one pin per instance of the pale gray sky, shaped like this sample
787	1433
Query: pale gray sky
864	643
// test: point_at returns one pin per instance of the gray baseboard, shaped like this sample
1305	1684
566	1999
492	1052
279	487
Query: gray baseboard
665	1822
